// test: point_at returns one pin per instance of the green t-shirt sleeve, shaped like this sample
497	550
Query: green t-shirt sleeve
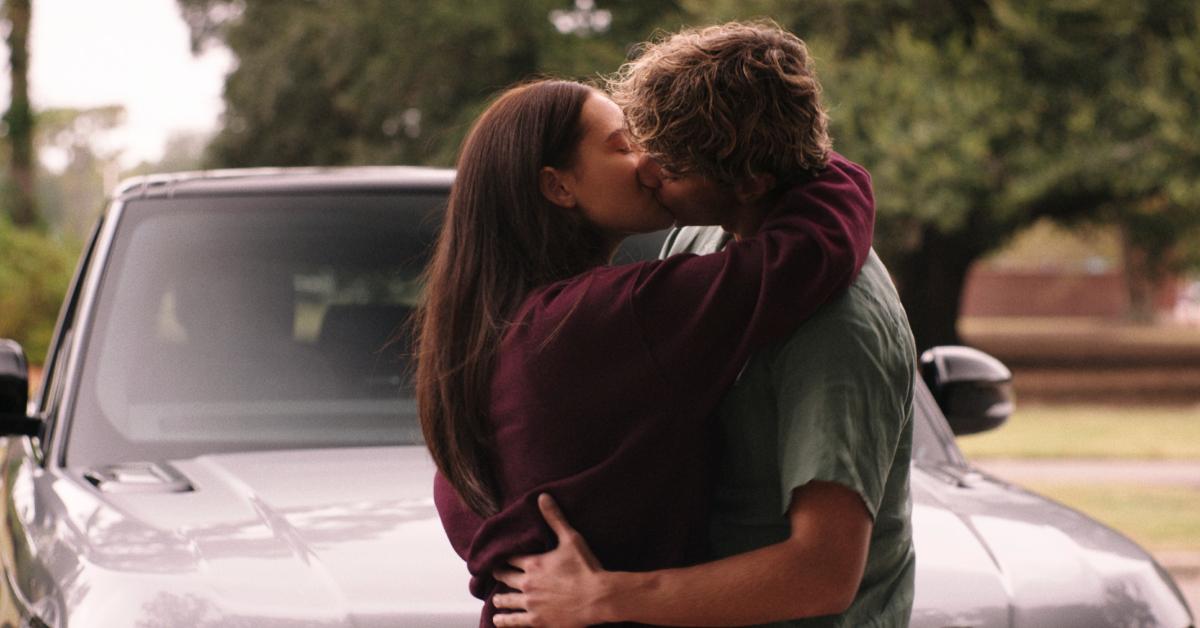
841	410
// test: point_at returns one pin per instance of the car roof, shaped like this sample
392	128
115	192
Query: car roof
270	181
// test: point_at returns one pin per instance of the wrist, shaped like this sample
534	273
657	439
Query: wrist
617	590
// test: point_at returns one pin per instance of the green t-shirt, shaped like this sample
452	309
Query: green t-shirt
834	402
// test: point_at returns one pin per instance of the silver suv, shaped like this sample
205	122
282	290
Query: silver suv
226	436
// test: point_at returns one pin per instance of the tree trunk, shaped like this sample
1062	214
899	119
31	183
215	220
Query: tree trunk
19	117
1141	279
931	281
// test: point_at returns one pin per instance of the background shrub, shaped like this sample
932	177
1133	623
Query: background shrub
35	269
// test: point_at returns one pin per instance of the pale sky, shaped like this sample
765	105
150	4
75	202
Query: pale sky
129	52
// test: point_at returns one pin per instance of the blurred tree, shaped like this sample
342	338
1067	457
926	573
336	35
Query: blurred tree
18	120
35	269
184	151
373	81
36	261
979	117
72	193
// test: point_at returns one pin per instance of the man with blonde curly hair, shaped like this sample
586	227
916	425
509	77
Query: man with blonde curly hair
811	521
736	107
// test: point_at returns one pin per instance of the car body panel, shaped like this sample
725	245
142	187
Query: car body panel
1062	568
343	537
331	537
1056	566
958	580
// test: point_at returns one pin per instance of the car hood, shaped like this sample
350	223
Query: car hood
350	537
338	537
993	554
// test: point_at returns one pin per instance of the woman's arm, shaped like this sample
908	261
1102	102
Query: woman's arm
714	310
816	571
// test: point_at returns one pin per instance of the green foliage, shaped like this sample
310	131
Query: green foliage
940	130
328	82
35	270
184	151
73	197
977	118
995	113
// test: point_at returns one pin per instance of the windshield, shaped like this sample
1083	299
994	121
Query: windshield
240	323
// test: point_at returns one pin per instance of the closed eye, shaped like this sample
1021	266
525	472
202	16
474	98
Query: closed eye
619	141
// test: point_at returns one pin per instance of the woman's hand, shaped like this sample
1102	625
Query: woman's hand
563	587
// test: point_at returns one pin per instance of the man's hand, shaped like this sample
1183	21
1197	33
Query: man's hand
563	587
816	571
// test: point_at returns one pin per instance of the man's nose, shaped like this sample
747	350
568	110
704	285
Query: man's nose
649	172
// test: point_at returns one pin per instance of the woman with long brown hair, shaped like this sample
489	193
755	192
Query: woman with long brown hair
542	369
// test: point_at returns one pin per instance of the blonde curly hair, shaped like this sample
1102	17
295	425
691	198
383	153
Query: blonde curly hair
727	102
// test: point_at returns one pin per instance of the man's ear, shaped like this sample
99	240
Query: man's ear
753	188
556	187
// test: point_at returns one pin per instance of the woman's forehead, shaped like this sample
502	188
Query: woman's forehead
602	116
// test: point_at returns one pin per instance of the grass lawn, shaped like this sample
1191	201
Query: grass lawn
1157	517
1083	431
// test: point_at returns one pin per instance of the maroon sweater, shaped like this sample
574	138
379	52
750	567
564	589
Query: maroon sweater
605	382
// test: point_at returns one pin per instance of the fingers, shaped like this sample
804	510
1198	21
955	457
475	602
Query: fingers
523	563
502	620
554	516
514	579
517	601
511	601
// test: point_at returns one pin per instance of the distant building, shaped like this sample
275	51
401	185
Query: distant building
1051	271
992	291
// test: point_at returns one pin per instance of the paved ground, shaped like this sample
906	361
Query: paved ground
1184	566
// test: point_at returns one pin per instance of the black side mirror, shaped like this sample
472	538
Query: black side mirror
973	389
14	392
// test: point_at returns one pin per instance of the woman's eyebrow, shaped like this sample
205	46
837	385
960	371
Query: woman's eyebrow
622	132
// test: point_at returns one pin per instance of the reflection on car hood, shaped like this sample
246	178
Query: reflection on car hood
333	537
350	537
993	554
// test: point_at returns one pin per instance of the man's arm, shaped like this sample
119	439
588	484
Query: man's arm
816	571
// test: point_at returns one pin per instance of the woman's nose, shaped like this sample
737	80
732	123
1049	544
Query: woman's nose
649	172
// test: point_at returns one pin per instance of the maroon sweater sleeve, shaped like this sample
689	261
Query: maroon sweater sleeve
700	311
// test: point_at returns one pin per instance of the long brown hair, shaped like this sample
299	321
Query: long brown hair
500	240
